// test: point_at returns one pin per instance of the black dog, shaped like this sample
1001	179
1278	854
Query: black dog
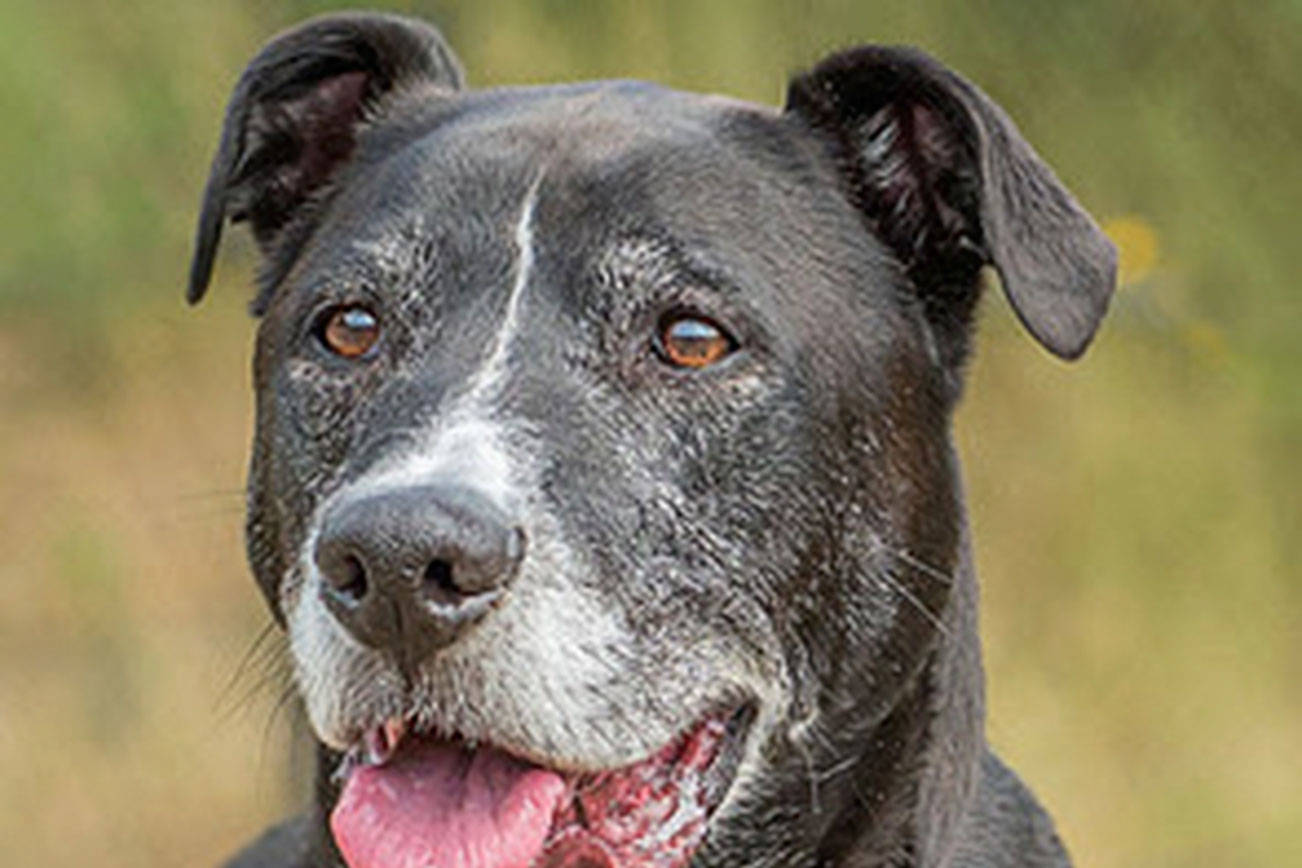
603	478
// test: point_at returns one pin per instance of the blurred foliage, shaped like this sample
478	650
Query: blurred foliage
1136	514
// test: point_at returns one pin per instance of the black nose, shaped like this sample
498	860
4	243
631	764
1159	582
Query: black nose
406	570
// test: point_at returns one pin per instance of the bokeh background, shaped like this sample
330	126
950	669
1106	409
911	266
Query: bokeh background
1136	514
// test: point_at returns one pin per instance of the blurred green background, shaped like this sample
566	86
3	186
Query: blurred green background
1136	514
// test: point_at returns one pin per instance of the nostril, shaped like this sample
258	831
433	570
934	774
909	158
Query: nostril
439	582
351	584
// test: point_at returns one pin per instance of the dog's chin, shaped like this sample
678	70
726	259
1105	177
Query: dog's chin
412	798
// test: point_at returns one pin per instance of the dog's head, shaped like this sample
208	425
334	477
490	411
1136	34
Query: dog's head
602	470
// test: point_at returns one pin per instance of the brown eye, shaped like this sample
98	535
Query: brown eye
350	331
693	342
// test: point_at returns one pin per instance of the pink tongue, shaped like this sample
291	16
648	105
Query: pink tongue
435	804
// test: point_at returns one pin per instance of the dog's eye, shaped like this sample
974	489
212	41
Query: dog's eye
349	331
688	341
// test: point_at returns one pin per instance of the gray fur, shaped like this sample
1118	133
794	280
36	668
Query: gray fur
784	529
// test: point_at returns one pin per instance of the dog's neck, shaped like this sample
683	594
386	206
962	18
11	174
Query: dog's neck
956	737
918	775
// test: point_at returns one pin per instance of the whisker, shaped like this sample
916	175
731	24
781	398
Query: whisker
264	653
283	702
811	775
914	561
838	769
899	587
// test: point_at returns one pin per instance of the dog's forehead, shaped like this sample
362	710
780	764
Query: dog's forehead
606	160
577	126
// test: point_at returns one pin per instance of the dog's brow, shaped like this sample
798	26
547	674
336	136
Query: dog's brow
653	264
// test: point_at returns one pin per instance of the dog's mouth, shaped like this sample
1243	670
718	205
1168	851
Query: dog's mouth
416	801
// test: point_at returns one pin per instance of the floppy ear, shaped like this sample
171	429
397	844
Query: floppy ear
946	180
293	119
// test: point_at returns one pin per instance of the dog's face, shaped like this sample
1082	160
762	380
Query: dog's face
602	429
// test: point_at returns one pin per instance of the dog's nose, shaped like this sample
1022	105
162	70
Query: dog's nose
406	570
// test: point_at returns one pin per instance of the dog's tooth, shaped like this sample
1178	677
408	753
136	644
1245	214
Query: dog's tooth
376	746
380	741
395	728
347	765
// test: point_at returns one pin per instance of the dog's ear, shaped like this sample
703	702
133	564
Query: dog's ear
294	117
945	179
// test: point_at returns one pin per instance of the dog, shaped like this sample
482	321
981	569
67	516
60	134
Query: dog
603	480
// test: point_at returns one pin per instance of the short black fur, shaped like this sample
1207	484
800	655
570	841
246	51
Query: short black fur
784	529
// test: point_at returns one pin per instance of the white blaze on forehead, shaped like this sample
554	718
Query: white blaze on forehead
487	378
